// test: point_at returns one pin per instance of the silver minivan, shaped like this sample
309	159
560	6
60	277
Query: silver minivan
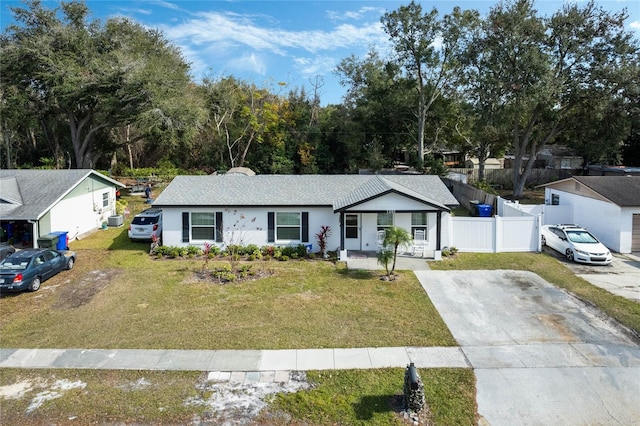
144	225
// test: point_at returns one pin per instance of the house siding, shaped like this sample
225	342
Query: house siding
603	219
86	197
249	226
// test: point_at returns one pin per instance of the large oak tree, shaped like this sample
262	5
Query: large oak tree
92	76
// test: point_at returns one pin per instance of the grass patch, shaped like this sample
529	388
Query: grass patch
97	397
367	397
155	304
354	397
117	296
625	311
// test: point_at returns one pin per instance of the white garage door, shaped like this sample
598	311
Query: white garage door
635	233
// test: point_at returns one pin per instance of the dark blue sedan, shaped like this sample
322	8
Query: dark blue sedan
27	269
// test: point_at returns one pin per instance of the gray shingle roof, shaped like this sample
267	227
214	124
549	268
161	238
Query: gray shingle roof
621	190
29	194
336	191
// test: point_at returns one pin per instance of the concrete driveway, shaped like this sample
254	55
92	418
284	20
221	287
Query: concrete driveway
621	277
541	357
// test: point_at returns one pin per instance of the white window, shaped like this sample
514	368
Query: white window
419	222
105	199
288	226
385	220
203	226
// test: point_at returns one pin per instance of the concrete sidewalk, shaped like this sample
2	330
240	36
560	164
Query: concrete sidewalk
234	361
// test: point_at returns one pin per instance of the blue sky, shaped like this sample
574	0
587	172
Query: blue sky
281	44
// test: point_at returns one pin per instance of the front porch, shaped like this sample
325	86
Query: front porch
359	259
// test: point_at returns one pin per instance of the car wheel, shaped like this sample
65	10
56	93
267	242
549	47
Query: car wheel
35	284
70	263
569	254
544	241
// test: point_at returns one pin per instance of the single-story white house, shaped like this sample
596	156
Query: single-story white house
285	210
34	203
609	206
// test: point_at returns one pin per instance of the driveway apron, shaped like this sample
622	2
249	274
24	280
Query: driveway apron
540	356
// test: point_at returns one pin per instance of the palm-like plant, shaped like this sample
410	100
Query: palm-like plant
395	237
384	257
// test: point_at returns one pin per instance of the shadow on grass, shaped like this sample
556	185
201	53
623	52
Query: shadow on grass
368	405
356	274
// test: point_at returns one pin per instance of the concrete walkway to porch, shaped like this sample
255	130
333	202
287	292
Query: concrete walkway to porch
368	260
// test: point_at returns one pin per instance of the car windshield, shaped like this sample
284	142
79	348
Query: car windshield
15	263
581	237
144	220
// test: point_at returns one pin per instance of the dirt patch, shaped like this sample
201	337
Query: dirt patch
74	295
228	277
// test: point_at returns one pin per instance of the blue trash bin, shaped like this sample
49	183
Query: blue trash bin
485	210
63	242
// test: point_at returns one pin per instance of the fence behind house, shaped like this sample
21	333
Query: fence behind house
504	177
466	193
550	214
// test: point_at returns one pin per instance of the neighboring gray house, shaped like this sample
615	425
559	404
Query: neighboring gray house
609	206
290	210
34	203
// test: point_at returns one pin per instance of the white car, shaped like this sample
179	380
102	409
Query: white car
146	224
576	243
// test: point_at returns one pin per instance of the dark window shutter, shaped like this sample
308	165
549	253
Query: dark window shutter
219	227
185	227
271	227
305	227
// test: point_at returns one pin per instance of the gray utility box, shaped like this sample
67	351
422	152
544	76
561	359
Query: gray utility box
116	220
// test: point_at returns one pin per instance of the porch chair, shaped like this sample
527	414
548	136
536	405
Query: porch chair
419	242
380	239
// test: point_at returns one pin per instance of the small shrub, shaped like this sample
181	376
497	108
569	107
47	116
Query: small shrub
194	251
277	253
288	251
267	251
174	252
250	249
449	251
255	255
227	267
301	250
233	249
283	258
321	238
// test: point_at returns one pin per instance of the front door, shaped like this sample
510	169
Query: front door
352	231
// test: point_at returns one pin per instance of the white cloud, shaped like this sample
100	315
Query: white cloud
165	4
355	14
318	65
635	25
235	30
251	63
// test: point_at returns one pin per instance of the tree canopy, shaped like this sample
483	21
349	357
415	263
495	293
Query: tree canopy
85	93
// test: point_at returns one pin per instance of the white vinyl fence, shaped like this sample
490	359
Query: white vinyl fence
515	228
551	215
496	234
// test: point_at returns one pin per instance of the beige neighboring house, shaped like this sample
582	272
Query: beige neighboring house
35	203
609	206
489	163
